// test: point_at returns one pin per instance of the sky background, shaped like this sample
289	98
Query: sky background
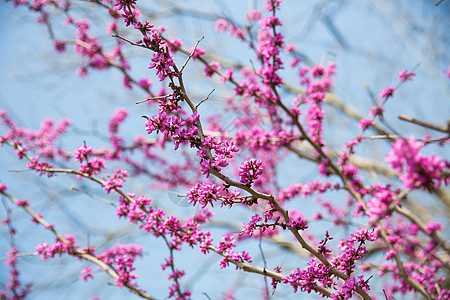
371	41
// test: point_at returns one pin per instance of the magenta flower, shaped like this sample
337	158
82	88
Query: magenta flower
416	170
387	92
364	124
59	46
86	273
214	66
403	75
222	25
250	170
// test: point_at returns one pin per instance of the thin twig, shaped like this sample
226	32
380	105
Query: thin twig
153	98
380	137
130	42
277	276
444	129
18	255
264	261
93	197
207	97
190	55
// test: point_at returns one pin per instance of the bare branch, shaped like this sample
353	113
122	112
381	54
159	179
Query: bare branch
444	129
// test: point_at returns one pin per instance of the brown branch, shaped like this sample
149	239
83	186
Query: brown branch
268	273
444	129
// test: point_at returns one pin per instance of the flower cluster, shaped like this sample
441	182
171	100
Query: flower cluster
175	275
40	167
122	258
204	193
225	247
306	189
178	129
139	211
318	83
257	138
86	273
60	247
223	25
271	5
114	181
3	187
135	210
248	228
353	249
213	66
250	170
403	75
118	118
93	166
42	141
82	153
379	204
221	150
387	92
315	273
423	264
270	43
163	64
14	285
416	170
298	223
349	287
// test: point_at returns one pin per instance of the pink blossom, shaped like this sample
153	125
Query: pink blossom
162	64
204	193
174	44
433	227
82	153
122	258
227	76
112	182
250	170
290	48
364	124
198	52
86	273
112	27
59	46
215	67
253	15
145	83
376	111
387	92
222	25
403	75
379	204
3	187
238	32
416	170
82	71
272	4
118	117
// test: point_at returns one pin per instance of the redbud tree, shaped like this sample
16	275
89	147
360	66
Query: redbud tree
235	174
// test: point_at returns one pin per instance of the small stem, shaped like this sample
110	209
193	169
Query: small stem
444	129
207	97
190	55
